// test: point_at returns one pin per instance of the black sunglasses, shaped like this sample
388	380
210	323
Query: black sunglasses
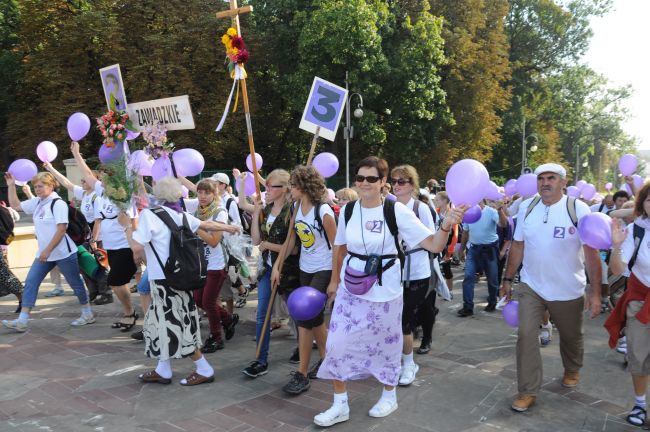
276	186
400	181
370	179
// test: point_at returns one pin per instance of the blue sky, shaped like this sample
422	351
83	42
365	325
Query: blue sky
620	51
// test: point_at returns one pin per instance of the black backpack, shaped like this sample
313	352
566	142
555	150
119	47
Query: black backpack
78	229
6	226
186	267
246	218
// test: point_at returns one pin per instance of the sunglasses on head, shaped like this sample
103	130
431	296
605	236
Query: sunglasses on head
370	179
400	181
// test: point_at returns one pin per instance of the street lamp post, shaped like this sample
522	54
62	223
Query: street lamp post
348	131
524	146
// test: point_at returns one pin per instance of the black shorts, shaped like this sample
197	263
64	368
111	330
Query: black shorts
414	298
445	268
122	266
319	280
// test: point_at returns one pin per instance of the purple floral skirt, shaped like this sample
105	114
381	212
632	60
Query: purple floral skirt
364	340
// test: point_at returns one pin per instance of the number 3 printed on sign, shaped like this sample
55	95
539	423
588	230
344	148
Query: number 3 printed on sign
327	101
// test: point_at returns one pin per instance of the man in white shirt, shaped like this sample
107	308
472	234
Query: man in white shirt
552	278
606	206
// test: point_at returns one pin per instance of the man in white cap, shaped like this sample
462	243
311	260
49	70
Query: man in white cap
228	201
552	279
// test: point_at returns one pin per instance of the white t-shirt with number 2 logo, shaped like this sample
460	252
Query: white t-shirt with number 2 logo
553	263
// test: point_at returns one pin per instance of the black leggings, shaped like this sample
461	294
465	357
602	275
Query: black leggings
426	316
414	300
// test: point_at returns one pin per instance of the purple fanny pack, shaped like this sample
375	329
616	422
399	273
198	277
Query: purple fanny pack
357	282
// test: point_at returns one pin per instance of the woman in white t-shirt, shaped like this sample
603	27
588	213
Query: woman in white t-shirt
207	298
416	269
55	248
171	324
365	337
316	233
631	253
120	258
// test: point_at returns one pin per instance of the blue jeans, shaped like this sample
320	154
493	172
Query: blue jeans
69	268
143	285
485	257
263	298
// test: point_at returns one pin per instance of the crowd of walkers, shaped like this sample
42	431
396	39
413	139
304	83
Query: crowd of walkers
382	252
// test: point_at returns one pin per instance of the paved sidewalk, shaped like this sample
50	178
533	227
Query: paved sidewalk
59	378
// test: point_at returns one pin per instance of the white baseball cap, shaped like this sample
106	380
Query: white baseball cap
221	178
552	168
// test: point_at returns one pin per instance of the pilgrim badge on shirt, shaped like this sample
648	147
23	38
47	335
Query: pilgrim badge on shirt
558	232
375	226
572	230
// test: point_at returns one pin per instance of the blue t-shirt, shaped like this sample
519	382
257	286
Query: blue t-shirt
484	230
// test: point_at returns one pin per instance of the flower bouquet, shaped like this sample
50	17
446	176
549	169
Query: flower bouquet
157	142
236	52
114	126
120	183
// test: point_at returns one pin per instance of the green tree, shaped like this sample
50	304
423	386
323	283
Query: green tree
9	65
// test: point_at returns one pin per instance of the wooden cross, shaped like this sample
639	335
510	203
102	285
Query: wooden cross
233	14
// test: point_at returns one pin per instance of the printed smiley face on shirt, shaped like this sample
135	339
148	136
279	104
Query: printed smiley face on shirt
305	234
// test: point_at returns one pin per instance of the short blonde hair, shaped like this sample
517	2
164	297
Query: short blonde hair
347	194
168	189
46	178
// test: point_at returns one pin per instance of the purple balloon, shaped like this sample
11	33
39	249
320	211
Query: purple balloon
47	151
140	162
131	135
580	184
23	169
527	185
258	162
638	181
573	191
78	126
391	197
609	186
107	154
188	162
595	230
466	182
511	313
473	214
162	167
510	187
326	164
493	192
249	186
306	303
627	164
588	191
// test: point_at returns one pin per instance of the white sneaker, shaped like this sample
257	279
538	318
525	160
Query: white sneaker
15	325
58	291
382	408
545	334
83	320
622	345
408	374
336	414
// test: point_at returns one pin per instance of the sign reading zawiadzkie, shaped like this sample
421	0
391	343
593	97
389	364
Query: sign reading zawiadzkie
175	113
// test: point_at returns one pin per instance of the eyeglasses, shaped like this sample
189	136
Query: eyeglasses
370	179
276	186
400	181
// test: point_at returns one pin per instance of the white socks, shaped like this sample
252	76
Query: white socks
23	317
164	368
203	367
391	395
639	401
341	399
86	311
407	359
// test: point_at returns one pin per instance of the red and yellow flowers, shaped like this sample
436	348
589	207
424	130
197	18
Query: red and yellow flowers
235	47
